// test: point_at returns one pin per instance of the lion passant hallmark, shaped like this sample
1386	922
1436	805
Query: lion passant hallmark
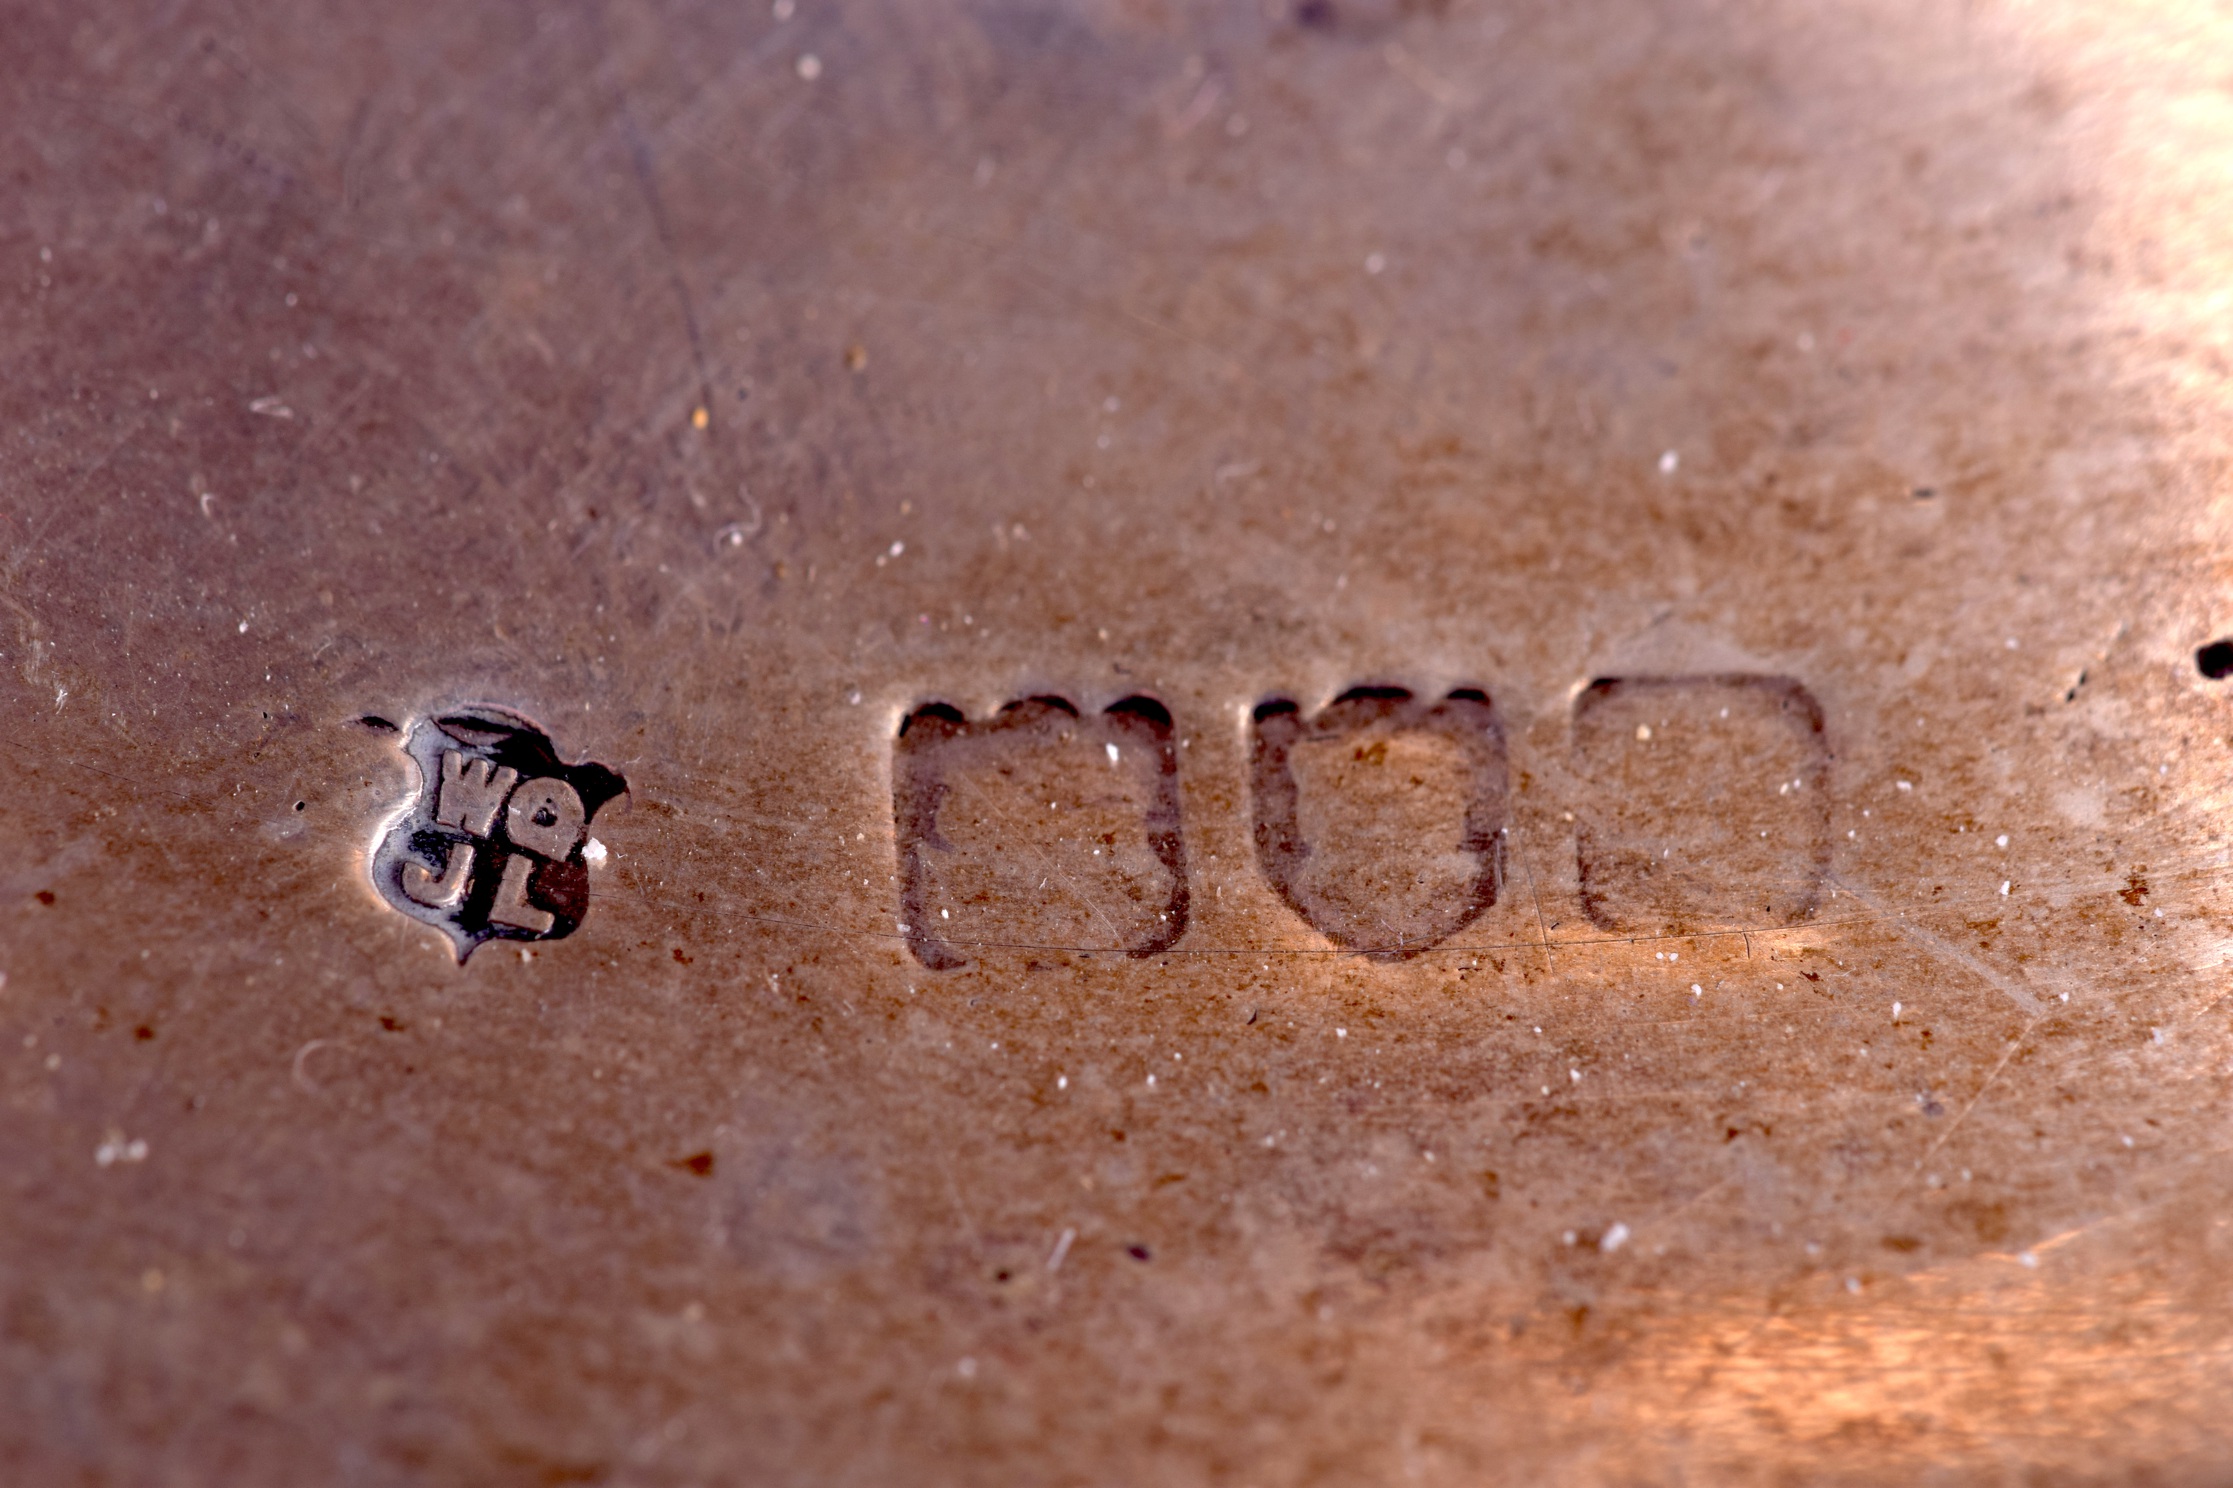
494	845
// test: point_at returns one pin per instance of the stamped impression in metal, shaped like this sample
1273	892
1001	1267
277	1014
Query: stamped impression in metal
493	846
1044	825
1381	820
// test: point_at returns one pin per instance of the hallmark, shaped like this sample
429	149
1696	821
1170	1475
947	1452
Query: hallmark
494	845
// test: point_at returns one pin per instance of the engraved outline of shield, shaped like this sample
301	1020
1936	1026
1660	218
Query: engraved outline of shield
1466	715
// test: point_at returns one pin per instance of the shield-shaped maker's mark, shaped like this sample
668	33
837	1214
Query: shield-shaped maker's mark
1039	828
492	846
1381	820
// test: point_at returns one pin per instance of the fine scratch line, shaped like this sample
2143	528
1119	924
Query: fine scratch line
1939	945
1955	1125
646	175
1529	869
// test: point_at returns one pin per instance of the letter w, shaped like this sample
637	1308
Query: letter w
472	790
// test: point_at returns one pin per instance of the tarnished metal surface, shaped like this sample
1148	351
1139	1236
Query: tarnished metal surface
1556	820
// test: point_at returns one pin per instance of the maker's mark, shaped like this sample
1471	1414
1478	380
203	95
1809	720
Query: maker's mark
492	846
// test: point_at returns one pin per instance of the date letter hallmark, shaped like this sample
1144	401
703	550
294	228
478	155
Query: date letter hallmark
492	847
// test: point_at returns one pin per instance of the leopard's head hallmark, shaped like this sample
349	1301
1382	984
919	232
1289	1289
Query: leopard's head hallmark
496	844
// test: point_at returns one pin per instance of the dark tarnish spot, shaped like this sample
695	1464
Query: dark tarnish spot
2135	887
2215	660
1139	1252
1989	1220
44	896
553	1472
143	1033
680	958
392	1025
1904	1244
698	1164
1362	21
